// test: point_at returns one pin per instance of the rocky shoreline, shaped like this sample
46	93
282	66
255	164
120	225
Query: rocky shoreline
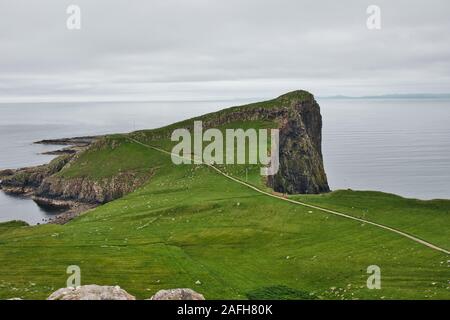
75	141
71	209
72	195
26	182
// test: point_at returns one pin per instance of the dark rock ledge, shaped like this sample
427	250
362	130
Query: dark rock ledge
74	145
26	182
71	196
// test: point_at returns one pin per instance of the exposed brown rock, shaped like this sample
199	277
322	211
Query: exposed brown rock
6	173
90	191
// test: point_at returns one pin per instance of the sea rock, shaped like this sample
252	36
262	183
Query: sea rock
177	294
26	180
6	173
91	292
75	141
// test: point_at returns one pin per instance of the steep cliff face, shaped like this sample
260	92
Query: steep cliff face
300	123
301	162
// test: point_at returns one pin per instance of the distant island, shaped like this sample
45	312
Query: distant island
395	96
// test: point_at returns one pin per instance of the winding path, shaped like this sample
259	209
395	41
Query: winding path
340	214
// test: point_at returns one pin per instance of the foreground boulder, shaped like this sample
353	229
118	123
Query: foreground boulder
91	292
177	294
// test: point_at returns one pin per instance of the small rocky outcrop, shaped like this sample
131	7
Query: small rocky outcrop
75	144
91	292
75	141
177	294
25	180
6	173
88	190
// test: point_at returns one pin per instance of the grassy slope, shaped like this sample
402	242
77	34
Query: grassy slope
428	220
189	223
108	158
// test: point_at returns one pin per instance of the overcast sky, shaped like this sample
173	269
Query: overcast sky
220	49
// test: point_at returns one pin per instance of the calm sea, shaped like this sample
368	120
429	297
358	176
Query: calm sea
397	146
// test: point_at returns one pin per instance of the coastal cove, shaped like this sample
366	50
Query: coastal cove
397	146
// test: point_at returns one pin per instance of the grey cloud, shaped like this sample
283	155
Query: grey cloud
203	49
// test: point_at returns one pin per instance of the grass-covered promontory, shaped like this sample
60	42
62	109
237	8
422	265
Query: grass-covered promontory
189	226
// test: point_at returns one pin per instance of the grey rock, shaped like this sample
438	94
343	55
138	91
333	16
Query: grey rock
91	292
177	294
301	163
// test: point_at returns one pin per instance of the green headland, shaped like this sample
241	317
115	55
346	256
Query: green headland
187	226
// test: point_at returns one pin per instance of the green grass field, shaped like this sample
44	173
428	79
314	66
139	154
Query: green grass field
191	227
